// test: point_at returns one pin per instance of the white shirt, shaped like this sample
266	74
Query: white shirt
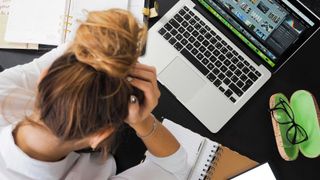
17	93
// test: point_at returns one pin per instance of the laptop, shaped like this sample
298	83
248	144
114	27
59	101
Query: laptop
214	55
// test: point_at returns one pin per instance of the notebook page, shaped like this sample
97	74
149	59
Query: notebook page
78	12
136	7
188	139
36	21
4	13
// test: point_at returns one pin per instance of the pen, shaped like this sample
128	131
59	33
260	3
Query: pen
197	156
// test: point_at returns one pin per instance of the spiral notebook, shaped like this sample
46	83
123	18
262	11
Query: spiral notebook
208	159
54	22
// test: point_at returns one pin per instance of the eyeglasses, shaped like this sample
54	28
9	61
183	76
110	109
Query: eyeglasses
283	114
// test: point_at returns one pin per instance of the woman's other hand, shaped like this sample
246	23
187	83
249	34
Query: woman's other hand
144	78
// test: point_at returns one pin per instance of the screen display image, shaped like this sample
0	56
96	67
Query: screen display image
267	27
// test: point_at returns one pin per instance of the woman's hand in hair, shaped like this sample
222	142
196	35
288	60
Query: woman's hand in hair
144	78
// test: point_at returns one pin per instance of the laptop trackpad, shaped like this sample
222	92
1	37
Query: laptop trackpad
181	80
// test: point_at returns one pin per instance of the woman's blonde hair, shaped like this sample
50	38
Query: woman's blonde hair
85	89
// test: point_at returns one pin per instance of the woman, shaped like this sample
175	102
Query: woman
82	94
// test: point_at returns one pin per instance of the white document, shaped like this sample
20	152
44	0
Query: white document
44	21
261	172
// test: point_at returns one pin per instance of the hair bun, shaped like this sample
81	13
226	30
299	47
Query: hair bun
109	41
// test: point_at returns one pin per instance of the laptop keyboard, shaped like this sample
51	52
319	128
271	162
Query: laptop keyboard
210	54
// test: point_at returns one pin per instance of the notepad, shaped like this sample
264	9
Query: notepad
208	159
4	13
53	22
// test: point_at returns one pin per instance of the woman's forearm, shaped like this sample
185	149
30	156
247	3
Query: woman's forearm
158	140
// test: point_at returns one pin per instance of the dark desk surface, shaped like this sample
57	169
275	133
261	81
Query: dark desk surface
250	131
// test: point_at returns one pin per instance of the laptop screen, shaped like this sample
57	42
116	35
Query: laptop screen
273	29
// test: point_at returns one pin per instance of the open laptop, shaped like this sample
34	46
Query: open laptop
213	55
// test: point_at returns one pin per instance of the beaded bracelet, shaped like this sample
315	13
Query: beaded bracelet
154	128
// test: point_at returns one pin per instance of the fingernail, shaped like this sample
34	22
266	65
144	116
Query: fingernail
129	78
133	99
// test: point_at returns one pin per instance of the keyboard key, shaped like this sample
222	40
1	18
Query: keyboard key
174	32
179	37
195	33
200	56
258	74
228	93
218	45
191	39
197	18
189	46
207	27
216	53
213	40
200	38
210	66
247	85
205	61
186	34
190	28
185	24
202	31
238	72
196	44
178	46
229	55
218	63
223	42
222	57
226	62
240	65
245	70
227	81
195	62
216	71
168	26
172	41
241	58
232	67
229	73
211	77
243	77
246	63
224	50
174	23
234	78
184	41
235	89
252	76
178	18
221	89
167	36
208	35
240	84
235	53
207	54
223	68
229	47
211	48
162	31
192	21
191	13
212	58
202	49
233	99
182	12
218	38
252	68
197	26
205	43
221	76
186	8
235	60
213	33
194	51
187	16
217	82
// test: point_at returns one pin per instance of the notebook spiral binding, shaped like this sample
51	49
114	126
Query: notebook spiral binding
66	23
213	160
